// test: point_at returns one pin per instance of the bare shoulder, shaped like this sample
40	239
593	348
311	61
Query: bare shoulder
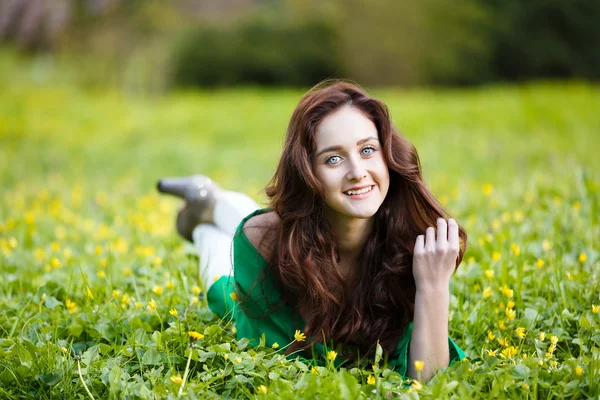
260	231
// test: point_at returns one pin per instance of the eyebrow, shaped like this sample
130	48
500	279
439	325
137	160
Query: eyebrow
336	148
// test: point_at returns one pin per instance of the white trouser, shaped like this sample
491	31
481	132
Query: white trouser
214	241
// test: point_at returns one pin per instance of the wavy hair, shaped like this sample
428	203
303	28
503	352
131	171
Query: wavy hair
305	259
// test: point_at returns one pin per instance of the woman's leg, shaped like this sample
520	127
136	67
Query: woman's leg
231	208
214	242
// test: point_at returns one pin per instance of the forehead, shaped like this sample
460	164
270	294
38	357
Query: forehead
344	127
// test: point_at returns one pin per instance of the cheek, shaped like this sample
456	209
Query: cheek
328	179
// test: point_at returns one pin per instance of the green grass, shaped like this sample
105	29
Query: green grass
86	243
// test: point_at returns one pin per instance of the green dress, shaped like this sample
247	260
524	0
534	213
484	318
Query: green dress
279	326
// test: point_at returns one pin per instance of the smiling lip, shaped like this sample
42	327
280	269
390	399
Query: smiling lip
358	188
361	195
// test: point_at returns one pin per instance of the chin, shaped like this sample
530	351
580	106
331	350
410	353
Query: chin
361	211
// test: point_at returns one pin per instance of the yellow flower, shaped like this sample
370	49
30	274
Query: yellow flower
582	257
262	389
331	355
553	363
126	299
416	385
503	342
419	365
509	352
71	306
491	335
510	304
570	276
158	289
546	245
595	309
89	293
487	292
525	386
487	189
496	224
98	250
169	285
138	304
578	371
152	305
234	330
196	290
518	216
195	335
157	261
299	336
515	249
542	335
492	353
40	254
178	380
577	206
371	380
173	312
238	360
496	256
489	273
101	274
476	287
510	314
55	262
508	292
116	294
553	339
501	325
275	345
314	370
233	296
127	271
520	331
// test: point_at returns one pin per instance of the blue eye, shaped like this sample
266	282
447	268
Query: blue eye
370	150
329	160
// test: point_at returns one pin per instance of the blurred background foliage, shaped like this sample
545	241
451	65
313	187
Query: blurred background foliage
153	45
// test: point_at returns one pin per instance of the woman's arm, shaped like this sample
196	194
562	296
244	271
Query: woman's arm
434	261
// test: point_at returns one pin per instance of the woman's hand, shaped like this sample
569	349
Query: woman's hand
434	258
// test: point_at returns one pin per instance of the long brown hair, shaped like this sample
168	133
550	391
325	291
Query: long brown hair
305	259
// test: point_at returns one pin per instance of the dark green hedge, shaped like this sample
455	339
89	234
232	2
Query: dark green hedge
258	51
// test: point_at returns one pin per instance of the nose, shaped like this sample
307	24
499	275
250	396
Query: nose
357	172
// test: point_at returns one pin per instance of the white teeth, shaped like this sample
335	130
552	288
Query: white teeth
361	191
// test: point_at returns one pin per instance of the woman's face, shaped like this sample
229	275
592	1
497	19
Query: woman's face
349	164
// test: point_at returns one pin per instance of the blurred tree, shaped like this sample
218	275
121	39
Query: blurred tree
37	24
545	39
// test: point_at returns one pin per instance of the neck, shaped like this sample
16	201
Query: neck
350	234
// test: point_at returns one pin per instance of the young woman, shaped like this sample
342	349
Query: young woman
353	250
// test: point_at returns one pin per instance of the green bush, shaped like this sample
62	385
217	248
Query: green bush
256	51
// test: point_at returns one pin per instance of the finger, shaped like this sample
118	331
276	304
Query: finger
453	233
419	244
430	238
442	231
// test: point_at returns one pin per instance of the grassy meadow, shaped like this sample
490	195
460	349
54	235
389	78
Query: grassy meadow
98	294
